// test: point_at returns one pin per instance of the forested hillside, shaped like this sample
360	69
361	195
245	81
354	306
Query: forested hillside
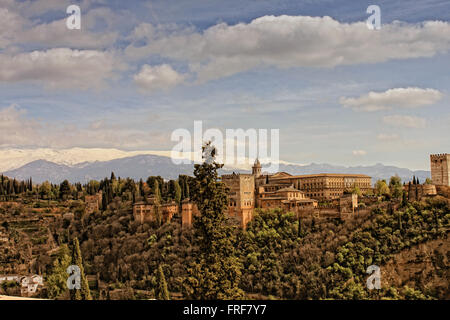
323	259
277	256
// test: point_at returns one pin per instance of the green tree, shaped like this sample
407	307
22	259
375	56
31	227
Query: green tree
57	279
404	199
105	201
356	190
216	270
161	292
395	186
156	191
187	193
381	188
177	192
413	294
299	230
141	188
64	189
45	190
84	293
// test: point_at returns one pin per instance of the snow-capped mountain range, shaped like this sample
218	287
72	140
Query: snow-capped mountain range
82	165
11	159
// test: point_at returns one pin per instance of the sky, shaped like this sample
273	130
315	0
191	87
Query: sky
339	92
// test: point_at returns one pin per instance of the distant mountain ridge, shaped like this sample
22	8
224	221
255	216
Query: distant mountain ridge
377	171
135	167
11	158
142	166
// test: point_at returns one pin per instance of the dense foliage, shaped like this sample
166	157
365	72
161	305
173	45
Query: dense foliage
326	259
330	258
278	256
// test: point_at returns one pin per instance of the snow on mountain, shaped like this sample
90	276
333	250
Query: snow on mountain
135	167
83	164
142	166
11	159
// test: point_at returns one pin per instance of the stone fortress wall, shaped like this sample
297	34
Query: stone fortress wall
440	169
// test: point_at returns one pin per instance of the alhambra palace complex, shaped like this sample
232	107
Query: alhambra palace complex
294	193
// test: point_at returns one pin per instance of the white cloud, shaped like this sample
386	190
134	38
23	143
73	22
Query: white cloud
10	25
153	78
33	8
405	121
59	65
16	29
392	98
359	152
19	131
293	41
15	129
56	34
62	68
388	137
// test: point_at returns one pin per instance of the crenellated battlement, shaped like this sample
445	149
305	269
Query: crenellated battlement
235	176
439	156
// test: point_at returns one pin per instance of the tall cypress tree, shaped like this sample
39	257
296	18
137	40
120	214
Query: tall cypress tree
170	190
177	193
105	200
417	191
84	293
299	227
409	191
404	199
156	191
183	190
141	188
161	292
216	270
187	190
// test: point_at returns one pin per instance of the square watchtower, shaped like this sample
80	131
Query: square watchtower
440	169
